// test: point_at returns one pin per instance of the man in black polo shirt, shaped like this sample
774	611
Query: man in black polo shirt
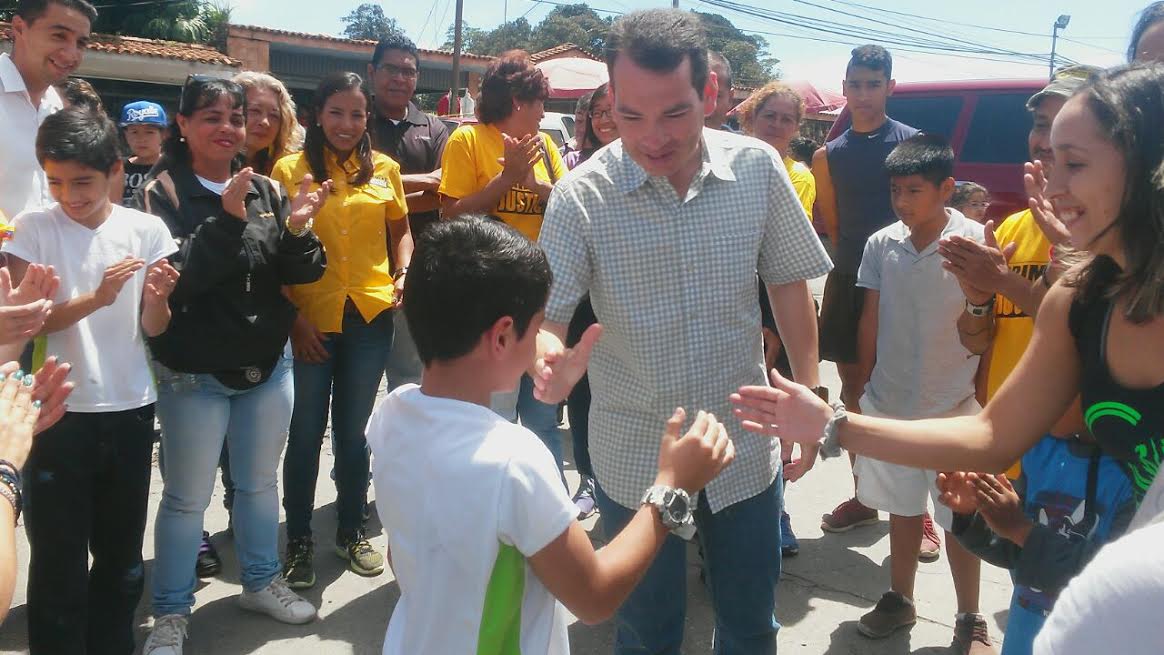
416	141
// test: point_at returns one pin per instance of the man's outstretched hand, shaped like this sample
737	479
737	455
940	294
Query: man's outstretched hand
560	368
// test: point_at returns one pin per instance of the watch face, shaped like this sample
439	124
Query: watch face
676	506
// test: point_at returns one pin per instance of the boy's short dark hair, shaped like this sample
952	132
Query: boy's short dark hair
395	42
802	149
466	274
873	57
77	92
927	155
659	40
31	10
79	135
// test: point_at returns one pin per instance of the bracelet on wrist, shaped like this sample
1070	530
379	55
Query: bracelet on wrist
830	442
11	492
400	272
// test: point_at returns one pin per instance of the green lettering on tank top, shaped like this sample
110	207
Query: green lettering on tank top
1118	410
500	632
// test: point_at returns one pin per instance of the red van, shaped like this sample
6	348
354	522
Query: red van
986	122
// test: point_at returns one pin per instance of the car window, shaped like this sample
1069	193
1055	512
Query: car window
930	114
555	136
568	123
998	130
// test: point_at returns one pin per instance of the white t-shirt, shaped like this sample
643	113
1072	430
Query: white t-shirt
922	368
106	348
465	497
1115	604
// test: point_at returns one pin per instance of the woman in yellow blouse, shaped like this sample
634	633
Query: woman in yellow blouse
343	334
506	168
773	115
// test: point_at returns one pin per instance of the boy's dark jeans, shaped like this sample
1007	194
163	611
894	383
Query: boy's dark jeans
86	489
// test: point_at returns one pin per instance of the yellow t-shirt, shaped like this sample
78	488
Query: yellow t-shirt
803	183
1014	327
471	161
352	225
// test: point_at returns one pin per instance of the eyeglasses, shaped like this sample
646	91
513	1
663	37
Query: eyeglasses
604	113
391	70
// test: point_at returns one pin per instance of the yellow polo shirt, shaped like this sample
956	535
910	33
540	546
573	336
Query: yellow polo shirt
471	161
352	225
803	183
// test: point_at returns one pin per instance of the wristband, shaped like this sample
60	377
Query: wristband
979	310
10	492
830	442
400	272
301	231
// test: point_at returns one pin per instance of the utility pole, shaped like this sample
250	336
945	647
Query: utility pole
674	4
1060	24
454	92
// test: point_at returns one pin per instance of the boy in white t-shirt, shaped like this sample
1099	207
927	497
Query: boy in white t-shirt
483	537
918	343
86	482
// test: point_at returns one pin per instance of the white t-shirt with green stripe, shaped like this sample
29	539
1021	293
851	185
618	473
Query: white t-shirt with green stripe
465	497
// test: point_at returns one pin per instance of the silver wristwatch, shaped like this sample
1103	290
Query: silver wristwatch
674	507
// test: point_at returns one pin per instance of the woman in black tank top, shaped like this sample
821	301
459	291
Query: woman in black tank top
1099	331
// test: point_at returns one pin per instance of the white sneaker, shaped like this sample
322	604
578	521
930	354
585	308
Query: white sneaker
167	635
279	602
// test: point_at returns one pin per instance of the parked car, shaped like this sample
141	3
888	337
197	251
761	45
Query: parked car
986	122
560	127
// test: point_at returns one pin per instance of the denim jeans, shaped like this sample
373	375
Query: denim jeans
536	416
741	551
86	490
347	383
404	365
198	413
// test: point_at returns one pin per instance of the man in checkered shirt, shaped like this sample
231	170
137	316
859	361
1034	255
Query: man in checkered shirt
666	230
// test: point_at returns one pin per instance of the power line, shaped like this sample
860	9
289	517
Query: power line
897	39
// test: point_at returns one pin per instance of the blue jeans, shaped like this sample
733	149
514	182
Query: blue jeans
536	416
741	555
404	365
347	383
198	413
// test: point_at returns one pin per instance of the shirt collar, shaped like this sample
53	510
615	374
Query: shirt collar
714	160
10	76
954	222
413	116
185	178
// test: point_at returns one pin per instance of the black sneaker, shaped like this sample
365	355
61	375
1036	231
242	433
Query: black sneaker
208	564
298	570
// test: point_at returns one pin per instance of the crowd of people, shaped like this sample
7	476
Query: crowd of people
246	282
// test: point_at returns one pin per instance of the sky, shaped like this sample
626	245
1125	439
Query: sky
1096	34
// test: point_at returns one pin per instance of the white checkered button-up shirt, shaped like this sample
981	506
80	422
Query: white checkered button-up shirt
673	281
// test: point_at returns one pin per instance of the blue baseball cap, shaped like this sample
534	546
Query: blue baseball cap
143	112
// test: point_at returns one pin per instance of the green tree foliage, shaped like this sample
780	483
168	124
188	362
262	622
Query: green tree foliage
748	54
579	24
476	41
368	22
188	21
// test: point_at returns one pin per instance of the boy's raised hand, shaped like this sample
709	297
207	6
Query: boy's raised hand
958	491
115	278
160	282
981	266
560	368
1000	505
691	461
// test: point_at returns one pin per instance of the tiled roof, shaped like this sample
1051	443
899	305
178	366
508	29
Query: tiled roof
132	45
340	39
561	49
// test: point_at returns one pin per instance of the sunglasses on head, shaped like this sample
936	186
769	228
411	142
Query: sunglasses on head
192	89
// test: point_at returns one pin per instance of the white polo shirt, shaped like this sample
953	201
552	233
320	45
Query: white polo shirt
22	181
922	368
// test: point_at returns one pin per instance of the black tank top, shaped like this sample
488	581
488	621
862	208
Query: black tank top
1127	423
